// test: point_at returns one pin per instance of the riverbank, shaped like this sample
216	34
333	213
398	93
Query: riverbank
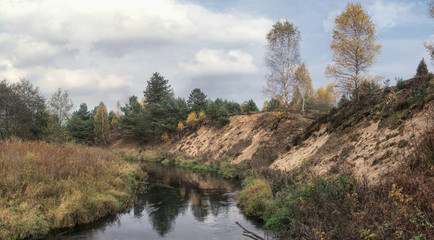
299	204
161	154
46	186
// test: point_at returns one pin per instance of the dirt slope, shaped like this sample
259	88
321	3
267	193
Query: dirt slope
243	138
369	138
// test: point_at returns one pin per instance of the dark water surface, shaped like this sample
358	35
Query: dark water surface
178	204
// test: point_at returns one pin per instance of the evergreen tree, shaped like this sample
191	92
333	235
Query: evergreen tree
157	90
422	69
275	105
197	100
136	121
250	106
101	125
343	100
80	125
167	114
232	107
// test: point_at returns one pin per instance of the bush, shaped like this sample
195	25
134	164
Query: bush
400	84
321	203
254	196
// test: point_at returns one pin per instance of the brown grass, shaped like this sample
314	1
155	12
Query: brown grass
45	186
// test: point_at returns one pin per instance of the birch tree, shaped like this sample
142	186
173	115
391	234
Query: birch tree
354	49
60	104
303	83
282	58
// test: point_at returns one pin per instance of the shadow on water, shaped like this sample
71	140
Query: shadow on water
178	204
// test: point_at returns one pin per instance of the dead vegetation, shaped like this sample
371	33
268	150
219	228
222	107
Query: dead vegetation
46	186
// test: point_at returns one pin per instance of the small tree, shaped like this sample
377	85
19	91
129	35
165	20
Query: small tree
354	48
60	104
192	118
422	69
136	121
115	122
80	125
101	125
197	100
250	106
274	105
303	83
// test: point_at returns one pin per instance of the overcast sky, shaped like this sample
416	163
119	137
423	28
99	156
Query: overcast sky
107	50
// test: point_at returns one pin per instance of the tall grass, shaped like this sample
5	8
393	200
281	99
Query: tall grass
45	186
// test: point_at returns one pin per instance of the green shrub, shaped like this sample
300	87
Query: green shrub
400	84
254	196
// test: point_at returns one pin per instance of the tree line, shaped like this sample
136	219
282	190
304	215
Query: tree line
156	117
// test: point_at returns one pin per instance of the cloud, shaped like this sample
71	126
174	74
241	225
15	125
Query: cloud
113	81
389	14
218	62
98	46
329	22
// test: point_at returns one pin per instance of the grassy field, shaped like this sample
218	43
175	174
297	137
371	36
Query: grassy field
45	186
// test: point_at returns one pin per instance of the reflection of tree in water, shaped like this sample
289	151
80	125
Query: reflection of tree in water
170	196
199	206
216	202
162	205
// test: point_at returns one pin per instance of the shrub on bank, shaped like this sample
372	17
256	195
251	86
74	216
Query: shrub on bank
46	186
255	196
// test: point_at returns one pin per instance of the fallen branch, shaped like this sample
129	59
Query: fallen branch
249	234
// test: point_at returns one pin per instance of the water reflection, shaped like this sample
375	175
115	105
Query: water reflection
178	204
174	190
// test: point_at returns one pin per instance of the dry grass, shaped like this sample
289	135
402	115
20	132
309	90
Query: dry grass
45	186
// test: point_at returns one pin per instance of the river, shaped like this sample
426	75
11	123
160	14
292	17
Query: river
177	204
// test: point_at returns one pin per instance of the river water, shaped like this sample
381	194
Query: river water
178	204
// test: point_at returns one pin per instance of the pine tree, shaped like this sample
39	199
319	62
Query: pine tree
250	106
157	90
197	100
80	125
422	69
101	125
136	121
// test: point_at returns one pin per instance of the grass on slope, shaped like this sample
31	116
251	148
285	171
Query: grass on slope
45	186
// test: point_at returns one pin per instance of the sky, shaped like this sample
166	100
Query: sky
106	51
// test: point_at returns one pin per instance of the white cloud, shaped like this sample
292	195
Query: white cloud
163	20
389	14
97	46
219	62
329	23
113	81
